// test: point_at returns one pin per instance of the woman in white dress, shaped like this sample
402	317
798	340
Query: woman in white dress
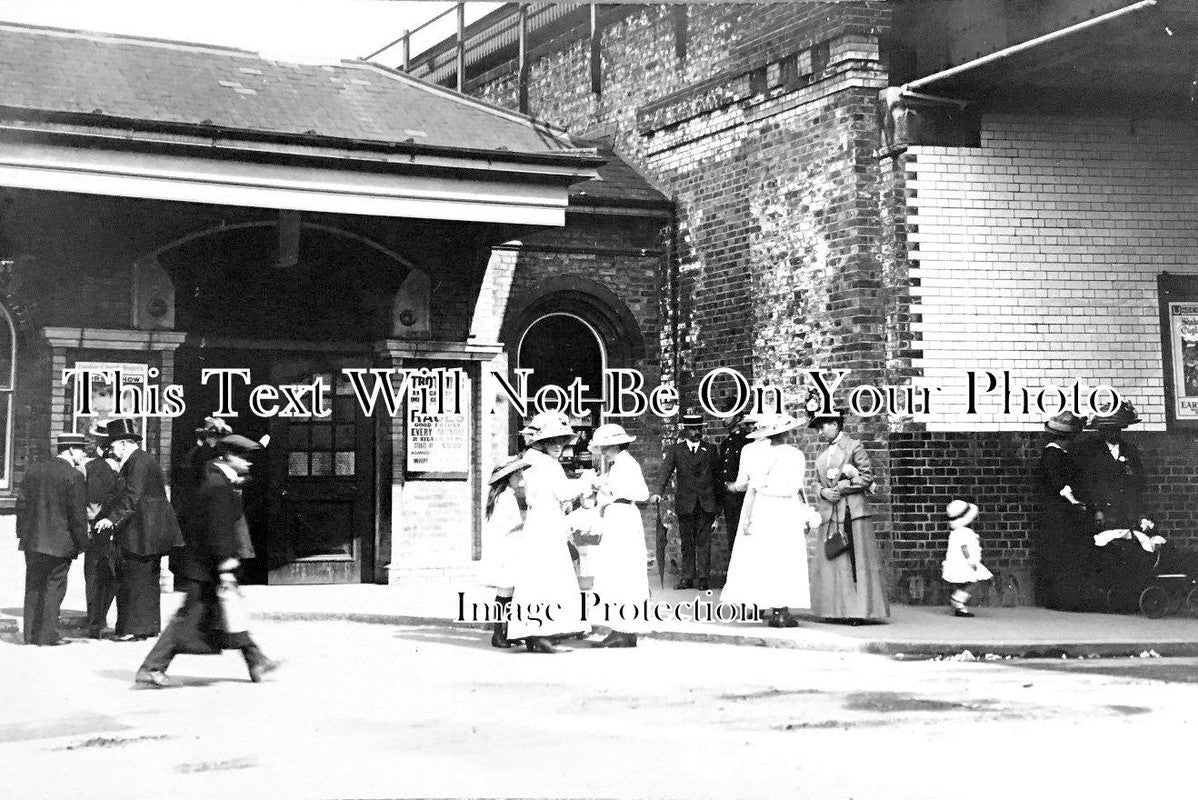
769	560
506	508
620	563
546	598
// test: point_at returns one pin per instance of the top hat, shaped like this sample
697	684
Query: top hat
609	435
818	419
774	426
1065	422
692	421
68	440
960	513
122	428
505	469
554	429
1120	418
214	426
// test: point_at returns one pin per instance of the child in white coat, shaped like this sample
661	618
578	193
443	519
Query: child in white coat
963	565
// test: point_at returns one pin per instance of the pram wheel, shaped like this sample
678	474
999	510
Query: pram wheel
1154	602
1192	602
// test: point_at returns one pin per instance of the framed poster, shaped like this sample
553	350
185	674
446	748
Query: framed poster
438	425
1179	344
104	395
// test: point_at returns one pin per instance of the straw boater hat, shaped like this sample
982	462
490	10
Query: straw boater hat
1120	418
774	426
123	428
1065	422
691	421
501	472
960	513
65	441
610	435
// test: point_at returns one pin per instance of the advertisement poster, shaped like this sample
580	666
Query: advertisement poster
1183	334
104	394
439	442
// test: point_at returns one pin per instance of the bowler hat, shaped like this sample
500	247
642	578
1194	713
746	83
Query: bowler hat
505	469
692	421
1120	418
67	440
1065	422
816	420
122	428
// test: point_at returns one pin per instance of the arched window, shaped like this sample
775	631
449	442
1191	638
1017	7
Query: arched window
8	372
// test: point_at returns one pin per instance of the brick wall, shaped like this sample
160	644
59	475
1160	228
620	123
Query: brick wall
1040	251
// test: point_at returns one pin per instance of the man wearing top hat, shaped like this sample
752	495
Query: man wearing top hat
144	529
99	569
52	528
697	494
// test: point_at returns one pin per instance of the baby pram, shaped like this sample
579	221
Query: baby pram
1139	570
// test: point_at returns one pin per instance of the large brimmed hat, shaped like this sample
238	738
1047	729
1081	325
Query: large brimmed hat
1120	418
1065	422
122	428
610	435
691	421
554	429
816	420
67	440
960	513
774	426
505	469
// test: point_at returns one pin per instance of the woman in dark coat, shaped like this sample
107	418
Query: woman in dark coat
215	532
1064	535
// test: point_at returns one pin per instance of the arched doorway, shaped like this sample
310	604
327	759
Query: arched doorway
560	348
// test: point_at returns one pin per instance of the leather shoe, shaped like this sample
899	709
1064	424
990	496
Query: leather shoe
153	678
539	644
962	612
59	642
262	668
685	583
131	637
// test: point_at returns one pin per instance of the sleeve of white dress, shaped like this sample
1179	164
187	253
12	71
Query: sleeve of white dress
505	517
625	481
785	479
742	473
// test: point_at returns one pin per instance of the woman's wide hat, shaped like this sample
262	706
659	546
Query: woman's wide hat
772	427
1065	422
501	472
610	435
1120	418
554	429
960	513
122	428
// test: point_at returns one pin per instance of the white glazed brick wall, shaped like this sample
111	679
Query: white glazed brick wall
1039	253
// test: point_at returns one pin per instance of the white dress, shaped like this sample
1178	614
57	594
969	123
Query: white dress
501	541
542	569
769	559
619	562
957	566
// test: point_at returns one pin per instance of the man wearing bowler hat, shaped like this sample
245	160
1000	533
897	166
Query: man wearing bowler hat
52	528
696	499
144	528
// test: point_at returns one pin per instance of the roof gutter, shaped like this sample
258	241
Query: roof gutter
908	89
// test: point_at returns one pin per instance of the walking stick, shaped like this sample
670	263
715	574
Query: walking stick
661	548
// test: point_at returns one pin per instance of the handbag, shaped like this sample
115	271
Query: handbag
840	540
234	615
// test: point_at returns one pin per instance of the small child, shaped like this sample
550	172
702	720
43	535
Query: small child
963	563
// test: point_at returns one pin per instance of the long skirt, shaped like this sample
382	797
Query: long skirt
546	600
840	591
1067	562
619	564
768	567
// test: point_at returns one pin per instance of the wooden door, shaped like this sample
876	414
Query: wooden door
322	510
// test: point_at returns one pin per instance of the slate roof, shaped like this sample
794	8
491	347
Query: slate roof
618	184
50	70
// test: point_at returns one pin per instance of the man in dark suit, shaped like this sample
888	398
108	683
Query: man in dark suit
216	537
144	528
696	499
99	571
52	528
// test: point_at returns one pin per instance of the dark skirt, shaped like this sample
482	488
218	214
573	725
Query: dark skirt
1066	561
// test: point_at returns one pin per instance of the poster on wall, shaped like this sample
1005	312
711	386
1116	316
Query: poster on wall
1183	333
438	429
104	394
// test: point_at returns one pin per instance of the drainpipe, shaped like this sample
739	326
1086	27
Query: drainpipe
1007	52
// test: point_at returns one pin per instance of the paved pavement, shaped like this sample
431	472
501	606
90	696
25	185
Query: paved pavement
399	710
913	631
